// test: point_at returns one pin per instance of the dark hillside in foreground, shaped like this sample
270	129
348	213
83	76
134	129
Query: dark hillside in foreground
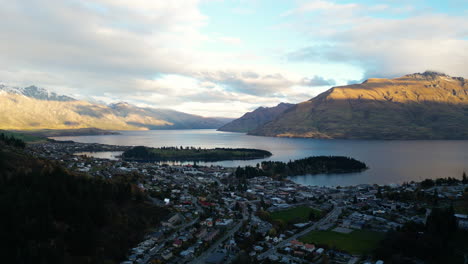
50	215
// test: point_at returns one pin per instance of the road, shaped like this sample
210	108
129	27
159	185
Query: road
331	216
298	260
200	259
179	228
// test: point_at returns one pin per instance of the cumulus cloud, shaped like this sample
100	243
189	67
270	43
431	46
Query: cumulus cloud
249	82
318	81
158	53
144	50
388	47
231	40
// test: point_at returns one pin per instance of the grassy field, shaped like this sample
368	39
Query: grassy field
296	214
26	138
461	207
357	242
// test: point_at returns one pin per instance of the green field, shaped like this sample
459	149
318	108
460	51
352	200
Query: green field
296	214
357	242
461	207
26	138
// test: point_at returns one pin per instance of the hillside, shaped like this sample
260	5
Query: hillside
254	119
152	118
33	108
51	215
416	106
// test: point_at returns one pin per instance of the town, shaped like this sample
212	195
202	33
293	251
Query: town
217	217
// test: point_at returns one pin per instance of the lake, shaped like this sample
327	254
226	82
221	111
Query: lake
389	162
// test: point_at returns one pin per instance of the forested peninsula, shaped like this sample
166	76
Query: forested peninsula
141	153
310	165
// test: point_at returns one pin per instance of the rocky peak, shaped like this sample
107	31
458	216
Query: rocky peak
36	93
427	75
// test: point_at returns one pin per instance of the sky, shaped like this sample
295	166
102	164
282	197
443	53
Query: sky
223	58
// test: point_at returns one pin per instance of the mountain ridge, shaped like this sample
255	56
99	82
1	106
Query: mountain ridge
425	105
252	120
33	108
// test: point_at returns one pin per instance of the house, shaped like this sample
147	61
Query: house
296	244
166	255
224	222
177	243
462	220
258	248
309	247
187	253
273	258
211	235
202	233
175	219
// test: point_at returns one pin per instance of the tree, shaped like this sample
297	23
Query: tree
379	193
427	183
272	232
325	259
313	216
442	223
464	178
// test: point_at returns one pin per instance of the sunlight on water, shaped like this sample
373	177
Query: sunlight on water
389	161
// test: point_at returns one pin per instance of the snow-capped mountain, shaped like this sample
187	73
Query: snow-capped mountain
36	108
36	93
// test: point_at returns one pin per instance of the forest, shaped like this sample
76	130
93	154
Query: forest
51	215
310	165
440	240
141	153
11	140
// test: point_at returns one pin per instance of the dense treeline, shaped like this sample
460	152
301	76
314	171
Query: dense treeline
310	165
141	153
12	141
428	183
438	241
49	215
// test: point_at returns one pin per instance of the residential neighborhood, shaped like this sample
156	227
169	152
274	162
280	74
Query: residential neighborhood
219	218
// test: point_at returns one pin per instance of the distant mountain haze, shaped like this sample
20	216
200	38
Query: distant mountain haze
426	105
33	108
254	119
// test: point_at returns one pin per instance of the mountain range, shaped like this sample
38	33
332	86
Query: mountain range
256	118
427	105
33	108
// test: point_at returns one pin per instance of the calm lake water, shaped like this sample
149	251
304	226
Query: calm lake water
388	161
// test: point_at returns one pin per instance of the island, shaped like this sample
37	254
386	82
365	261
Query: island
141	153
310	165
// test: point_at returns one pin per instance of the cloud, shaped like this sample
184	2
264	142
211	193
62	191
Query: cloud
312	6
318	81
249	82
388	47
231	40
170	54
142	51
132	40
